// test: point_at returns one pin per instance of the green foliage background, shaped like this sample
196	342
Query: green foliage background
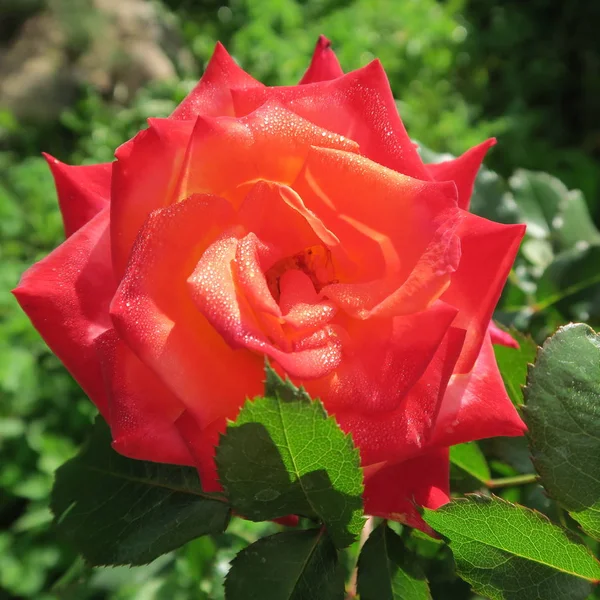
462	70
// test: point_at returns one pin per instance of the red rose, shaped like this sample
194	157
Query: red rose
297	223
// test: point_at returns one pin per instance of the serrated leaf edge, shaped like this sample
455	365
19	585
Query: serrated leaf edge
571	536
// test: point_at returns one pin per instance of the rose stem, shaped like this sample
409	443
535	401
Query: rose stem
508	481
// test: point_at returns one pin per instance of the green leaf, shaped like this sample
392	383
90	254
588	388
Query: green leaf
284	455
538	196
573	274
508	552
574	223
513	362
294	565
387	571
119	511
491	198
563	417
537	251
284	389
471	459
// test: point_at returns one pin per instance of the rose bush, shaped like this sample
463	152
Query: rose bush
295	223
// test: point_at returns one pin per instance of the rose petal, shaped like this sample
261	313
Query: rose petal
394	421
488	251
384	220
83	191
212	97
141	409
66	295
476	405
462	170
278	217
214	291
301	305
144	179
359	106
155	315
277	140
394	492
324	64
383	359
390	297
201	443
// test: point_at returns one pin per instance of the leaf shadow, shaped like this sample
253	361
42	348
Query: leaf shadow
260	487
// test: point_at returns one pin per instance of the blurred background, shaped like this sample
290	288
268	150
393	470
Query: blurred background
79	77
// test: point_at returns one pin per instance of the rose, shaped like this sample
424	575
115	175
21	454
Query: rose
297	223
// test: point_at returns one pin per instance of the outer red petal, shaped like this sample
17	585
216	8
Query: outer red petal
394	420
154	313
83	191
212	96
476	405
499	336
324	64
358	105
202	442
141	409
462	171
144	179
393	492
66	295
488	252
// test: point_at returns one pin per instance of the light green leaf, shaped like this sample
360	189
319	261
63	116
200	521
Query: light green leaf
283	456
538	196
563	417
470	459
557	219
574	223
513	362
119	511
294	565
509	552
276	387
388	571
538	252
492	200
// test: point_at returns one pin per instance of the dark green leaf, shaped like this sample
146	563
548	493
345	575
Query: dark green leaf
471	460
513	362
294	565
508	552
563	416
119	511
572	282
388	571
285	456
